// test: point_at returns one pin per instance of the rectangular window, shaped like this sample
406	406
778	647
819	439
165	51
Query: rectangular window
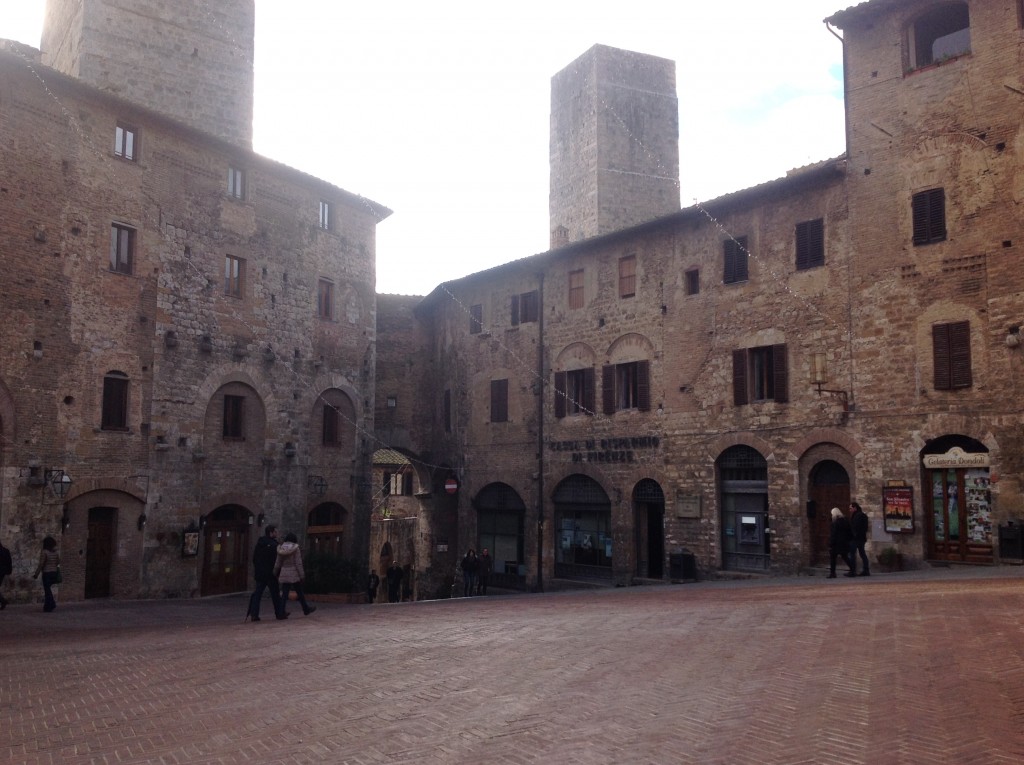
692	278
929	216
325	215
760	374
499	400
476	319
115	402
574	392
125	143
525	308
951	352
234	269
810	244
234	417
236	183
626	386
736	264
396	484
627	276
325	299
447	413
331	426
122	248
576	288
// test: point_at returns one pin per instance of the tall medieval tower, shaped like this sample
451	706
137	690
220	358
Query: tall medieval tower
614	143
189	59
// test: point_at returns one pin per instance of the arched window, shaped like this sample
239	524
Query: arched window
940	33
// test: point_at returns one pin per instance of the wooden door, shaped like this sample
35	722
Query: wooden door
830	487
226	551
99	548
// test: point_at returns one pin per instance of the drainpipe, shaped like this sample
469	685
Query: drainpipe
540	435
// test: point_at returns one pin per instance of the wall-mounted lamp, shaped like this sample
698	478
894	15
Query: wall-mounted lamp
289	450
59	482
819	378
142	521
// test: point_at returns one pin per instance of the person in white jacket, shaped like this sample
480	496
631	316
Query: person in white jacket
288	570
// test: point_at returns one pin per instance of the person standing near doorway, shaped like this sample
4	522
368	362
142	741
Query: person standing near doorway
264	556
839	538
486	569
394	579
859	525
49	567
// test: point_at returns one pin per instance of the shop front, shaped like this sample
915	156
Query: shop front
958	501
583	543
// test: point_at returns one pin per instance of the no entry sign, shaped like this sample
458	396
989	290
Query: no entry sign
451	485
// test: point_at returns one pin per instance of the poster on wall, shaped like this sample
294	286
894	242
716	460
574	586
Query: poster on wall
898	509
189	544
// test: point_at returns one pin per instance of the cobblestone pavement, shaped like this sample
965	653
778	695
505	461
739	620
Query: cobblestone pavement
899	668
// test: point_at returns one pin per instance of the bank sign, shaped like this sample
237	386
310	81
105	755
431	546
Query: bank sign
606	449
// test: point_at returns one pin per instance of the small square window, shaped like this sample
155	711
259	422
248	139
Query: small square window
525	308
692	278
236	183
325	215
325	299
234	270
122	248
125	142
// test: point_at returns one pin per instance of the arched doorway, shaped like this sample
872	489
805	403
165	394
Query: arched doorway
226	550
583	539
743	477
829	487
649	525
500	513
325	528
957	500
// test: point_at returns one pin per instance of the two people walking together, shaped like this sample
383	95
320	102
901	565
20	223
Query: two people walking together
847	538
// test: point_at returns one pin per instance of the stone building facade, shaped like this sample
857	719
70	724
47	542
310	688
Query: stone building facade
188	346
698	390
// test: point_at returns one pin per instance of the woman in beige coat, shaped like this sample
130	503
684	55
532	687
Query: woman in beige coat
288	570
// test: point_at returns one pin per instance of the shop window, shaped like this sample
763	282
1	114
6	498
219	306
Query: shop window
122	248
626	386
760	374
476	319
627	276
810	244
115	402
939	34
951	353
574	392
525	308
499	400
929	216
234	418
735	267
576	288
692	279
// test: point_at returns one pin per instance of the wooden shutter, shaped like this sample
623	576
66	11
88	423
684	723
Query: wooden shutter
588	390
940	357
529	307
780	371
515	310
735	260
960	354
929	216
559	394
810	244
476	318
643	386
499	400
608	388
739	377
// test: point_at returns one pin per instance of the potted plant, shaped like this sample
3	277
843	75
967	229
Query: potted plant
890	559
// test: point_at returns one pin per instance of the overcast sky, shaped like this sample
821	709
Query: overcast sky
440	110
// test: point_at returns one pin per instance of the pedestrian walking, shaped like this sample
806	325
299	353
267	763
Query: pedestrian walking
49	567
371	586
6	569
289	571
264	556
484	574
839	537
394	577
470	567
859	526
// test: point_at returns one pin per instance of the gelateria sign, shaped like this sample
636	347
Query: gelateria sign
606	449
956	458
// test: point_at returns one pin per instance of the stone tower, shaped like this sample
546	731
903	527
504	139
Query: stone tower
614	143
189	59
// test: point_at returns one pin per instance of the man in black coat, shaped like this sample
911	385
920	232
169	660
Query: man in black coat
839	538
263	558
859	525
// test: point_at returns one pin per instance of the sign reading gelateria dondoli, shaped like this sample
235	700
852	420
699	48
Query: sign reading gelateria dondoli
606	449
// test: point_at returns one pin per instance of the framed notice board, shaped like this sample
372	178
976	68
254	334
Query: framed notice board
898	509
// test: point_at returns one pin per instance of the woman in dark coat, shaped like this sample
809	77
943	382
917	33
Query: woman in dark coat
839	542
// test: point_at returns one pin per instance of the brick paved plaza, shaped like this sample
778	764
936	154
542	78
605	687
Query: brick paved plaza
900	668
